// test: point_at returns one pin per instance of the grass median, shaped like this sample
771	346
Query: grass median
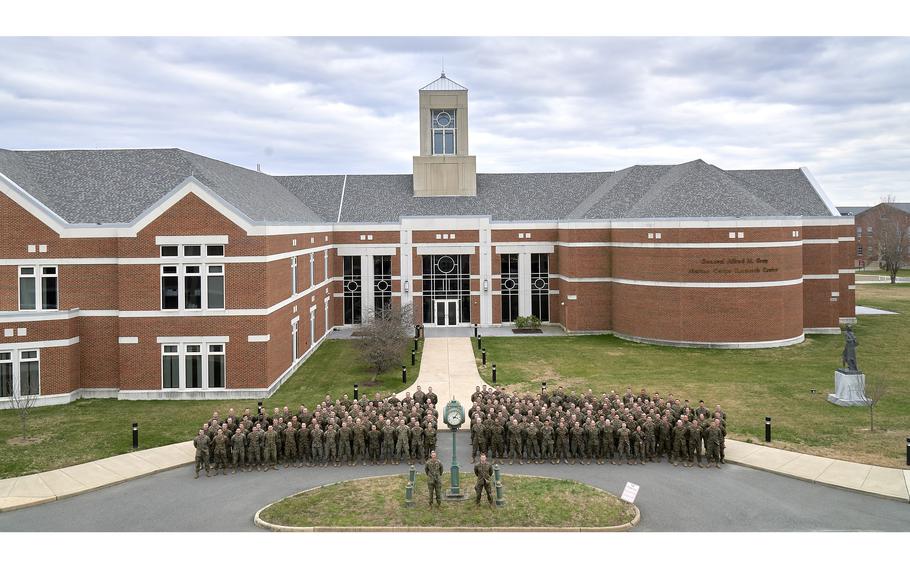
379	502
748	384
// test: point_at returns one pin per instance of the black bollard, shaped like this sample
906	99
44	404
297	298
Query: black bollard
404	374
136	437
413	357
475	330
480	342
415	345
543	387
416	332
767	428
356	392
483	354
494	373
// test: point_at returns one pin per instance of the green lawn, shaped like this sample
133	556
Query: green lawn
87	430
749	384
379	502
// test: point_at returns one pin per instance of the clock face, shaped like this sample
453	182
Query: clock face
454	417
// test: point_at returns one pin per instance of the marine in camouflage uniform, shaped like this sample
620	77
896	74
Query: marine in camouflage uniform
201	443
345	435
591	442
271	448
238	448
477	438
290	446
402	443
514	443
221	442
317	447
374	442
388	443
577	442
712	440
562	442
497	440
679	443
254	448
533	444
694	444
484	474
330	442
546	434
433	469
623	449
416	442
429	439
637	438
303	445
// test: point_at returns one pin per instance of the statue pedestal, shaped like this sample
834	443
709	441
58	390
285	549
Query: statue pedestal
849	389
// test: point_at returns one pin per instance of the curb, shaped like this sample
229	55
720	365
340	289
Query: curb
259	522
44	500
826	484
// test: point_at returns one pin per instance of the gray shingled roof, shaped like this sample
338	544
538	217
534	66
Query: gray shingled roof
443	83
851	210
116	186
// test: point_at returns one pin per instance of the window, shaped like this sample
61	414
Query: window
293	275
215	286
38	288
170	366
193	367
382	283
22	379
859	250
325	262
183	366
443	129
508	286
170	288
192	287
540	286
28	373
859	231
312	270
294	345
216	366
352	288
869	230
6	374
447	277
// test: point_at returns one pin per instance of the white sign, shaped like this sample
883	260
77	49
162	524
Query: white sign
630	492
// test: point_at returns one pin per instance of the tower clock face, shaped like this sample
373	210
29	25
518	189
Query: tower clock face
454	417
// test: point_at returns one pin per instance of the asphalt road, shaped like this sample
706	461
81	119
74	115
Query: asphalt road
671	499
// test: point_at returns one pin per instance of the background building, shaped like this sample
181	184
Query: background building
158	273
871	224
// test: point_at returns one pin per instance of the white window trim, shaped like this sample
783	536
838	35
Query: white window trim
39	277
181	285
312	268
181	364
293	275
15	360
295	330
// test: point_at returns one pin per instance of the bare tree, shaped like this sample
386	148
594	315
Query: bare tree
893	238
875	391
384	338
23	403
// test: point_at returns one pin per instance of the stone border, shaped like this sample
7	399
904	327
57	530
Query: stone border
259	522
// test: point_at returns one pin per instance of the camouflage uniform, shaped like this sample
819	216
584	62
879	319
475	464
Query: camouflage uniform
484	474
201	443
290	445
344	444
433	469
221	442
317	447
331	445
238	449
271	449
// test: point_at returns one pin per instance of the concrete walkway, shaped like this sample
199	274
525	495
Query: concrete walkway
447	364
28	490
867	311
881	481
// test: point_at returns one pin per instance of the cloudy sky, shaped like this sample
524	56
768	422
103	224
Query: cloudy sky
839	106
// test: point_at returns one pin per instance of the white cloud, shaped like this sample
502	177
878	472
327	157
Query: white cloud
840	106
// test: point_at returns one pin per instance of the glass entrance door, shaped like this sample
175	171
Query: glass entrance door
446	312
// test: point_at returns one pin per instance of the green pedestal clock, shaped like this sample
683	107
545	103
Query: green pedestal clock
453	416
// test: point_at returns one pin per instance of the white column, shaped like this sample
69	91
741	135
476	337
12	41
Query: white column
524	284
366	293
486	273
406	271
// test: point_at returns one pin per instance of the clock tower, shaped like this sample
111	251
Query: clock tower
444	167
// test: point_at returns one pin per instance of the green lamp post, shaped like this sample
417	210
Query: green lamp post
454	418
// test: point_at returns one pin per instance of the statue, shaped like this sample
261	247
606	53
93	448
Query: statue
849	355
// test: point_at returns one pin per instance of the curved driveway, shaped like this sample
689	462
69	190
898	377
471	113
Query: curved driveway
671	499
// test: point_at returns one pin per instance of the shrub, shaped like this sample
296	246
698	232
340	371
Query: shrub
527	322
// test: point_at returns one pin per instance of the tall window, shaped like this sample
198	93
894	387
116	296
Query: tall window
6	374
447	277
193	366
196	286
540	286
312	269
325	263
294	334
293	275
352	288
382	283
38	288
508	285
23	379
443	127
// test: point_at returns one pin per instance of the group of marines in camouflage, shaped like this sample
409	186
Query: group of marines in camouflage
587	429
341	432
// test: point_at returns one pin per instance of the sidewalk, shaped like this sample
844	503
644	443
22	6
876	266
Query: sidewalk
447	364
886	482
28	490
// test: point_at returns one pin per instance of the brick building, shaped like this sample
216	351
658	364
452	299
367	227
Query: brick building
158	273
871	222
